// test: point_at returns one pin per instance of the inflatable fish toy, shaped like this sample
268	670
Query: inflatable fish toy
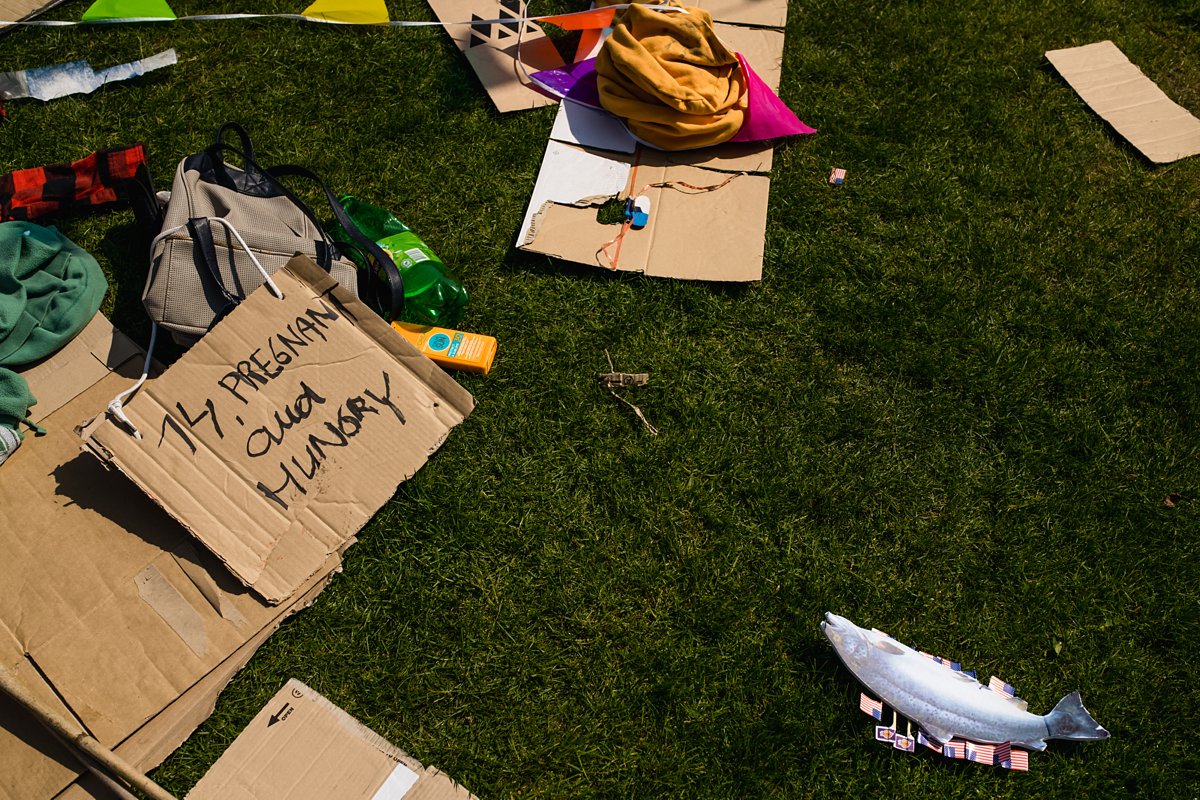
962	717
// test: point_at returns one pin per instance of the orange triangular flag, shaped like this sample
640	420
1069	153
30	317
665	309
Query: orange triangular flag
583	20
355	12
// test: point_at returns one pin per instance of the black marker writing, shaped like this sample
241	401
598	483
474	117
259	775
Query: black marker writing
257	370
299	470
262	438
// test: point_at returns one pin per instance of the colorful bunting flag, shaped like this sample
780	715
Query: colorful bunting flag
102	10
597	18
354	12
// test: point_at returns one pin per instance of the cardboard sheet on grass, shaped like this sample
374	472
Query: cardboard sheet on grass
108	610
702	226
14	10
492	49
300	746
278	435
1125	98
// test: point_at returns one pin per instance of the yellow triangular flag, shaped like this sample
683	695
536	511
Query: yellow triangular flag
355	12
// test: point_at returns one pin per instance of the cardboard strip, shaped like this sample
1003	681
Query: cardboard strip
1130	102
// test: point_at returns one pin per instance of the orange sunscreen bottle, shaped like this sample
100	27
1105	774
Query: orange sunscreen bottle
449	349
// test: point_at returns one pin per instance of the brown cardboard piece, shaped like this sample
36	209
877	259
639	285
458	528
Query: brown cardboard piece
76	626
758	13
492	49
15	10
300	746
163	733
713	232
279	434
1129	101
700	226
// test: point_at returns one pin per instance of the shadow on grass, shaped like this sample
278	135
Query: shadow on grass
519	261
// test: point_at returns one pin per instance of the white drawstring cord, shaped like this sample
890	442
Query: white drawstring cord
266	275
116	406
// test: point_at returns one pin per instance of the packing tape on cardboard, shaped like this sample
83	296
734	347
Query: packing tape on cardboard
173	607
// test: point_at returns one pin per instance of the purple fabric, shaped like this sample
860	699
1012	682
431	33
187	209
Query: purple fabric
573	82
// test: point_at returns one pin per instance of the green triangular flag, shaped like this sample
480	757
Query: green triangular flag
127	9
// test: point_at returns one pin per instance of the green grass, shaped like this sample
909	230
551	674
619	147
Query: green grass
952	409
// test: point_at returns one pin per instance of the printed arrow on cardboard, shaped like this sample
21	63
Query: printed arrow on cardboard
278	716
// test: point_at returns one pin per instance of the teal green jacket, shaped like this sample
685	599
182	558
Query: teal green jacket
49	289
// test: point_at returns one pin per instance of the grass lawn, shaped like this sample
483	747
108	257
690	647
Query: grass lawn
961	406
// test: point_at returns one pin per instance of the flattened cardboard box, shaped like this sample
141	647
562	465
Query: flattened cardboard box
492	49
163	733
282	431
702	225
300	746
714	232
108	611
1125	98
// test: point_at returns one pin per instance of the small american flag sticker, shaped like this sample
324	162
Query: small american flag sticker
1009	758
981	753
954	749
870	706
1000	687
837	175
930	743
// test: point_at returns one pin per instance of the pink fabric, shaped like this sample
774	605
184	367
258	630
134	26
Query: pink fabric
766	116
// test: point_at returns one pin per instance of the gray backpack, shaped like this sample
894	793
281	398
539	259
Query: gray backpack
226	229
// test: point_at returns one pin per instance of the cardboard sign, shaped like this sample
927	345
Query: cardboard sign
1125	98
502	53
109	611
278	435
303	747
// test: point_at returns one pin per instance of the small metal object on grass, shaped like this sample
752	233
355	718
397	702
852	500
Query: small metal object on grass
614	380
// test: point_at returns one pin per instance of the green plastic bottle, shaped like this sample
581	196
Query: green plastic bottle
431	295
